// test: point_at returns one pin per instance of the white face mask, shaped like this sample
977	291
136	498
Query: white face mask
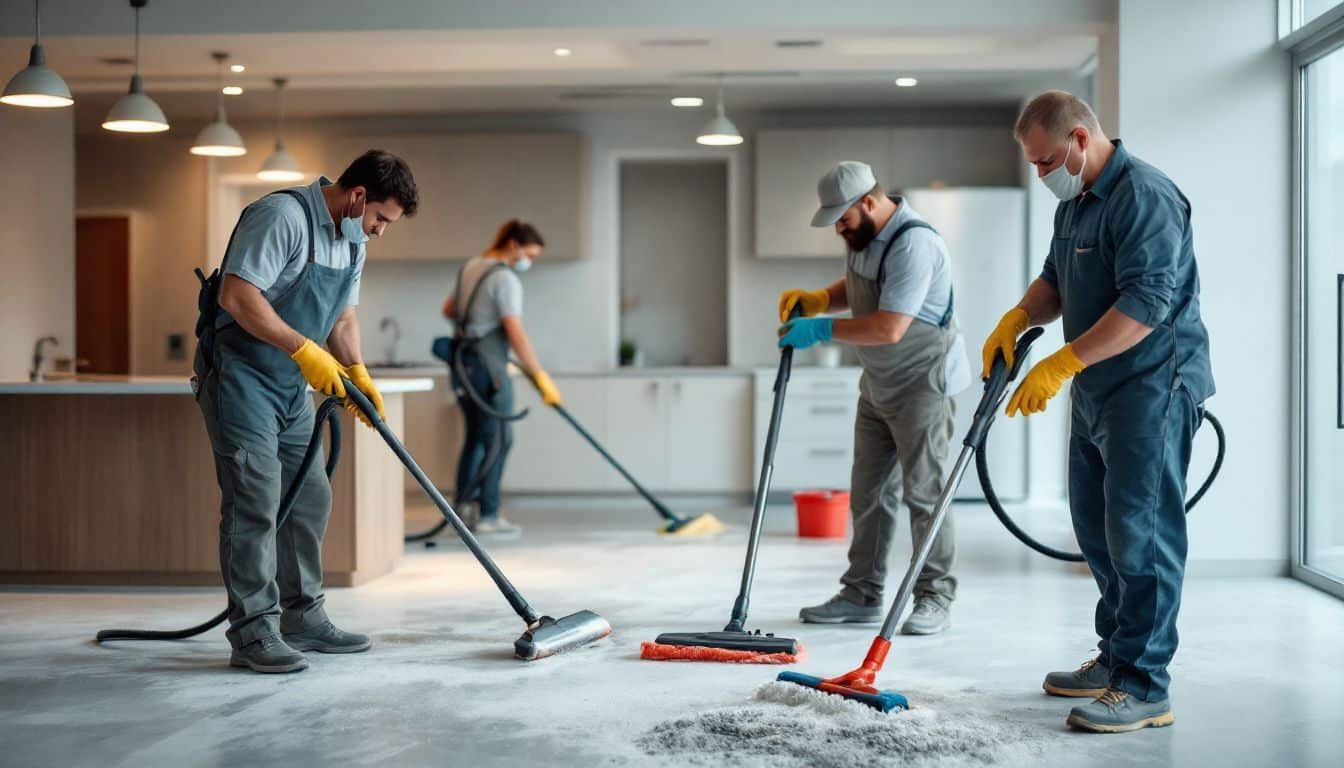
1063	183
522	264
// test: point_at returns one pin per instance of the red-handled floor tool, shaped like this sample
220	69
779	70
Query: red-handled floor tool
735	643
857	684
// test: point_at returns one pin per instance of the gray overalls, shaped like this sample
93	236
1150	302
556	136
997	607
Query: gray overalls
259	416
901	437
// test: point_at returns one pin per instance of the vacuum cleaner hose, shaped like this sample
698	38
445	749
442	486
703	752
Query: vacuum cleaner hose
492	456
987	485
326	412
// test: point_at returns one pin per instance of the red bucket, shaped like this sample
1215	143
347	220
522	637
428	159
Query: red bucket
822	514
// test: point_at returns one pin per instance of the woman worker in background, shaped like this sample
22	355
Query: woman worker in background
487	309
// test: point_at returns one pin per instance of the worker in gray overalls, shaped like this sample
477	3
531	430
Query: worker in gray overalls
288	285
898	288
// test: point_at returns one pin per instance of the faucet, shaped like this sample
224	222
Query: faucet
391	322
35	375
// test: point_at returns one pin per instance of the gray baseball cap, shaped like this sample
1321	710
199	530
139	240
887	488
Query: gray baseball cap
841	187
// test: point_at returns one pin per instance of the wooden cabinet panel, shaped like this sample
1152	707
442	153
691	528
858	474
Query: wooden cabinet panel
708	429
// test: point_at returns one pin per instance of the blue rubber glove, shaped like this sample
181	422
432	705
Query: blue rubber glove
803	332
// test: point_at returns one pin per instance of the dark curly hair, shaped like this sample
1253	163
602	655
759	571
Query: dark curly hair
384	176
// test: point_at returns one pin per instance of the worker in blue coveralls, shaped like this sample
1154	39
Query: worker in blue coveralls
1121	273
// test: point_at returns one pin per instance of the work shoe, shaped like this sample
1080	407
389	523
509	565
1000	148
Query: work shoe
928	618
269	655
497	527
1086	682
1115	711
838	610
326	638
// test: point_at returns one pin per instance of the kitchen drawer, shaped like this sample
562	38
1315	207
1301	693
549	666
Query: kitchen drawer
815	419
802	464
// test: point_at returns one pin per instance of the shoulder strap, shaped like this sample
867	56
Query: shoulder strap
297	195
901	230
464	310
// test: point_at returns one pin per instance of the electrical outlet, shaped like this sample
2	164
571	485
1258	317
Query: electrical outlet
177	346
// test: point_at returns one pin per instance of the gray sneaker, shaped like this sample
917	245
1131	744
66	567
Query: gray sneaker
1086	682
838	610
497	527
928	618
268	655
326	638
1117	712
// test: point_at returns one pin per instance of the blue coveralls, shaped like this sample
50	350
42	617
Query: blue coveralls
259	417
1127	243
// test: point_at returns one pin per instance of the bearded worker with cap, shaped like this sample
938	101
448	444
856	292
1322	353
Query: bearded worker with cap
898	290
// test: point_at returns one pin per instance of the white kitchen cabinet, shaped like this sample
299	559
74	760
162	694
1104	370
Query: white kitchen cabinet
708	429
680	433
637	413
788	165
548	455
816	433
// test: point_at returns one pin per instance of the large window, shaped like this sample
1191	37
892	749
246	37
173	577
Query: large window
1319	556
1296	14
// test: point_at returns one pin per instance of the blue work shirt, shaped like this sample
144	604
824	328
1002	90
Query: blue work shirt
1127	243
270	245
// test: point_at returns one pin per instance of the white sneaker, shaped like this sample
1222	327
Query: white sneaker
497	527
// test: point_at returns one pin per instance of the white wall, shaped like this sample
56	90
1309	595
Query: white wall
1216	118
37	251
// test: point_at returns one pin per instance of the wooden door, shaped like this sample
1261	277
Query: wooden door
102	294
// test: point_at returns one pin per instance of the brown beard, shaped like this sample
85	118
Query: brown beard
860	237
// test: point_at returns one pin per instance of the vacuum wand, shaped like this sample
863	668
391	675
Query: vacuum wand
511	592
737	622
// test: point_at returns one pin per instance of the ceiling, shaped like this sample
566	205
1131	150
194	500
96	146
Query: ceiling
446	71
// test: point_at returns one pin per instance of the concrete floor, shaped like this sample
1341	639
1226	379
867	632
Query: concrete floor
1259	679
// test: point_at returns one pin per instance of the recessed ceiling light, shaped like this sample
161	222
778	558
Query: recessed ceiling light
233	90
236	68
906	82
688	101
562	52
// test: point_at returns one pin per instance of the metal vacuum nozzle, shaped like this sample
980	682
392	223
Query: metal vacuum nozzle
551	636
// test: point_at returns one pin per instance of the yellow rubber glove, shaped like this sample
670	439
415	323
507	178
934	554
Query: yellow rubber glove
1044	380
359	376
813	302
320	369
549	394
1004	337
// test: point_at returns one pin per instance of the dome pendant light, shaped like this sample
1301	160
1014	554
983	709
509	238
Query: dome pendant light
36	85
720	131
280	166
135	112
219	139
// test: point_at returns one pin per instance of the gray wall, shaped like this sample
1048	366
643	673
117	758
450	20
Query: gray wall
37	252
1218	122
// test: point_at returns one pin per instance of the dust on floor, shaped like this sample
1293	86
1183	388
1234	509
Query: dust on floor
790	725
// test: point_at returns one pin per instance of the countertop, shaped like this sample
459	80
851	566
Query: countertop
168	385
441	371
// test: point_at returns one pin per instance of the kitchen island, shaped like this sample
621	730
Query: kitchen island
109	480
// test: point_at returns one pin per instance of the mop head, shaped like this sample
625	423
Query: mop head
700	525
551	636
658	652
737	647
882	701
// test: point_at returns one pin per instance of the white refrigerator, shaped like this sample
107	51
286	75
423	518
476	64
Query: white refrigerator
985	232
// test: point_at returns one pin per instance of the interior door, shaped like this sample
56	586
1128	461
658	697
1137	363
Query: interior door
102	294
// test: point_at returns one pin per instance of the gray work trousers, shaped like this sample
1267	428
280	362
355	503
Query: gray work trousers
900	454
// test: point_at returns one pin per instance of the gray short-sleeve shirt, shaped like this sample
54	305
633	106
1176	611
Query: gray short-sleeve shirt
919	274
500	296
270	245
